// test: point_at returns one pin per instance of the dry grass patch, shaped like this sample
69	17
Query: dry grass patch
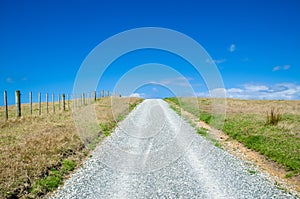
30	146
36	151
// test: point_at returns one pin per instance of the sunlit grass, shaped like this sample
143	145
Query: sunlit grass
272	132
37	151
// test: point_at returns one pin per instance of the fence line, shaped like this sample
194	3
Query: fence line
62	103
30	101
18	103
6	106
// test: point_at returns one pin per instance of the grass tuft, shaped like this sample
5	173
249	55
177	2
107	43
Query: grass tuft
68	165
107	127
206	117
273	117
202	131
251	171
48	183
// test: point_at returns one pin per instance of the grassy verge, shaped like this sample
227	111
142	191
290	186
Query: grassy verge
175	105
37	152
277	143
250	122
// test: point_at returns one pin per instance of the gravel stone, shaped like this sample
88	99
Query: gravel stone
154	153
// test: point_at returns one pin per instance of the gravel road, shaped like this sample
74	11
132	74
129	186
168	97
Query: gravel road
155	154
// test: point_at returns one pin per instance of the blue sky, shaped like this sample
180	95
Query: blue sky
255	44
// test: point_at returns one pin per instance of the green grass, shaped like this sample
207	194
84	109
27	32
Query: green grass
202	131
274	142
68	165
275	135
49	183
54	178
251	171
107	127
172	99
133	105
290	174
206	117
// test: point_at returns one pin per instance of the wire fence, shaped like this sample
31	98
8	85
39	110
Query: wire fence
35	104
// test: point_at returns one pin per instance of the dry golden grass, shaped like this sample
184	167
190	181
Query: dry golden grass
234	106
31	145
262	106
289	109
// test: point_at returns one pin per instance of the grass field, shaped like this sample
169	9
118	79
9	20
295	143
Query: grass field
37	152
248	122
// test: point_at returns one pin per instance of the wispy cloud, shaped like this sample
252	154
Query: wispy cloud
139	95
284	91
285	67
13	80
177	81
232	48
246	59
216	61
9	80
276	68
219	61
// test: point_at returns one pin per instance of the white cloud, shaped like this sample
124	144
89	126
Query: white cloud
253	87
219	61
218	93
232	48
276	68
245	59
9	80
177	81
234	90
154	89
284	91
216	61
139	95
285	67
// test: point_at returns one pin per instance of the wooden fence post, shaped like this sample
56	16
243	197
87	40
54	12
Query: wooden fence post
74	100
68	100
47	105
39	102
18	103
6	105
59	101
102	93
63	102
107	93
83	101
95	96
86	99
53	103
30	102
90	98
